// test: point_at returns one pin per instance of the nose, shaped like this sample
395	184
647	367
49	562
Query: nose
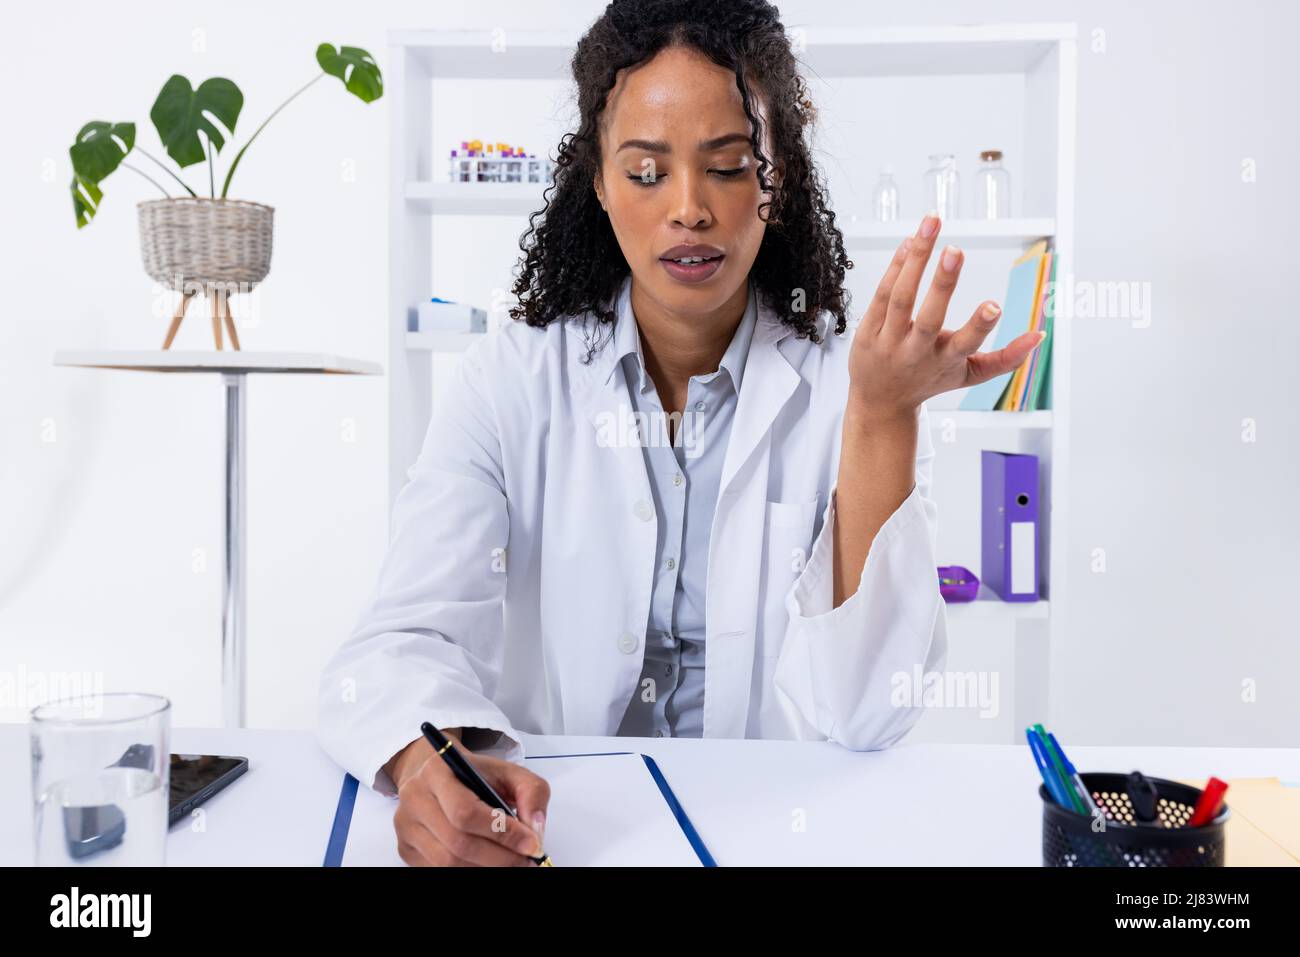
689	208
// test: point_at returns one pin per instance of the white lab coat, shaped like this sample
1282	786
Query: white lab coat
515	593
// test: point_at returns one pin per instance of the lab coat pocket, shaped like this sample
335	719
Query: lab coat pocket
787	541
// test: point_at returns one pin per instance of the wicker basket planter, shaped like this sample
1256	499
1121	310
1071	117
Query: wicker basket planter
216	247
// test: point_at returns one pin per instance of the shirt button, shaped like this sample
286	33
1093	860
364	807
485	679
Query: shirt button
677	479
671	563
658	733
668	670
627	643
643	510
700	406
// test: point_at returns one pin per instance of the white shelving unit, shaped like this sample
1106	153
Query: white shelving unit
1042	61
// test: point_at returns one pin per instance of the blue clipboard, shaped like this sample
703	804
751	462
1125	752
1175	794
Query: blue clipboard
338	839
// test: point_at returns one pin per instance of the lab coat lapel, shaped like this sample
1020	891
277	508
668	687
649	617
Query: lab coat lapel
767	385
736	538
600	391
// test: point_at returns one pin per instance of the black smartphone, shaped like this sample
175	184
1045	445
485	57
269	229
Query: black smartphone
196	777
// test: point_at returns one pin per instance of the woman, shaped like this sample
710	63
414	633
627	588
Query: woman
675	498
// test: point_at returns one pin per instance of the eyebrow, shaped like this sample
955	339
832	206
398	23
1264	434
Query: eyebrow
705	146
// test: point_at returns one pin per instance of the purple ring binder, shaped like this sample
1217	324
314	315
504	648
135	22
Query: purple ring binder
1009	539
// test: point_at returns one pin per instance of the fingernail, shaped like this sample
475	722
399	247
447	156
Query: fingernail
929	225
539	824
991	311
951	257
907	244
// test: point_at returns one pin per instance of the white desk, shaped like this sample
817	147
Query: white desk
913	805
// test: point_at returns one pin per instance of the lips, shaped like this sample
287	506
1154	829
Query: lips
692	272
692	262
692	251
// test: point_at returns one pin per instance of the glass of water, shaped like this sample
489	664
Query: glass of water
100	768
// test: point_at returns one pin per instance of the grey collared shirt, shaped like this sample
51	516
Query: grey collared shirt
685	475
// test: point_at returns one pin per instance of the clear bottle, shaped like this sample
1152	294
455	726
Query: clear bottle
992	187
942	185
884	200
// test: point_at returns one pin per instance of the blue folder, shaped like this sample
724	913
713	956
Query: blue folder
1018	309
348	795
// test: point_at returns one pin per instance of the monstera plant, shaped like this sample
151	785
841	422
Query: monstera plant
192	243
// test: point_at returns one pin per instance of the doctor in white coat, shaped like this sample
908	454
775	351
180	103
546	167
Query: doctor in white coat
545	565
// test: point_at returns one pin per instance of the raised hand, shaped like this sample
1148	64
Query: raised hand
897	361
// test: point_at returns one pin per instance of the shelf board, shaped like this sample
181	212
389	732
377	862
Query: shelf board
520	199
987	605
442	341
823	51
489	55
929	51
476	199
966	419
939	418
175	360
968	233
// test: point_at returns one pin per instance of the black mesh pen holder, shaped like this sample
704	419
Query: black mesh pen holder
1069	839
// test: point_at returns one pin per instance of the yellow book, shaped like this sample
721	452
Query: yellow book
1037	250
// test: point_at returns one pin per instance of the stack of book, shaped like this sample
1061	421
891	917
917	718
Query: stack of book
1029	306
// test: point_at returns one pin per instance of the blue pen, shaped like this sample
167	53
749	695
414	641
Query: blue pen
1045	769
1074	775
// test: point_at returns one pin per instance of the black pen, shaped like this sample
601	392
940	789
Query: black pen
469	777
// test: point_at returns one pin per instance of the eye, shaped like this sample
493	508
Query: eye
724	173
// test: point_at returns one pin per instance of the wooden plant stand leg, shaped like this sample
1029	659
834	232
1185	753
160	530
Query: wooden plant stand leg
215	300
230	322
176	319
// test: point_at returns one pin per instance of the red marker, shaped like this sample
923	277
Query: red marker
1207	807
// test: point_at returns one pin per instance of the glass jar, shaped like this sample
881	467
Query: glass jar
992	187
942	185
884	199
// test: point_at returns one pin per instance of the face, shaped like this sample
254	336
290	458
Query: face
677	171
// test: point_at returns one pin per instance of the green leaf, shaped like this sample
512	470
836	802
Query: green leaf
180	114
100	148
85	199
355	67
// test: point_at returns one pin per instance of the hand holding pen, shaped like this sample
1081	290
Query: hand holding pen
469	776
442	821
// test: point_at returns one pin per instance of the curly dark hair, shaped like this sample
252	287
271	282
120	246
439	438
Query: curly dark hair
573	263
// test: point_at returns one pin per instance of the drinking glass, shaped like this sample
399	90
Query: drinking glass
100	767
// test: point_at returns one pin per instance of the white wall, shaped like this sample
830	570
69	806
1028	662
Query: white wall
99	528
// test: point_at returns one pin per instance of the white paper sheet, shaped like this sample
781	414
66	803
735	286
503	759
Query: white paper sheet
606	810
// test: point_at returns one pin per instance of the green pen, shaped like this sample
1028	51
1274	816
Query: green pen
1059	767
